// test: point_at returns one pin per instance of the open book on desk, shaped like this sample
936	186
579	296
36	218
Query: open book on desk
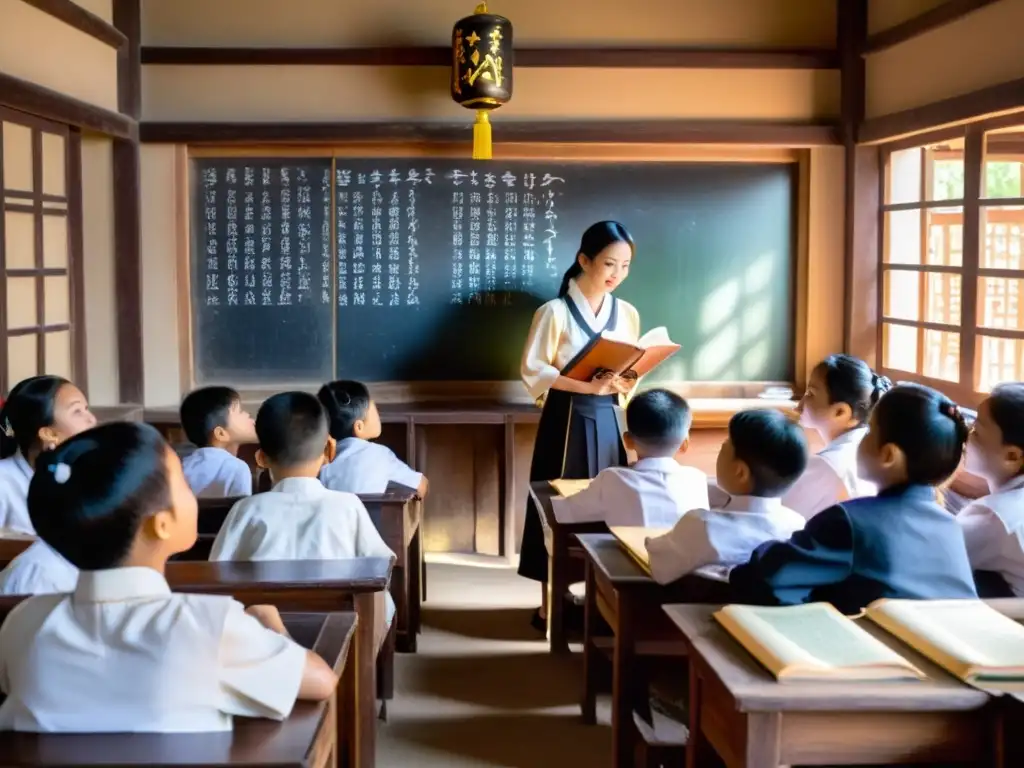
634	540
608	353
813	642
566	488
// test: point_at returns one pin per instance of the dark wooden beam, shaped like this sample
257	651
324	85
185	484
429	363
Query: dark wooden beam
940	16
794	134
439	56
127	210
76	249
43	102
78	17
1004	97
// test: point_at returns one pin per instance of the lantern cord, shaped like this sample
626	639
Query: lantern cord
482	136
481	8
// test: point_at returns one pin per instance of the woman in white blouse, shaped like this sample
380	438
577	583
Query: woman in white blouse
840	395
578	435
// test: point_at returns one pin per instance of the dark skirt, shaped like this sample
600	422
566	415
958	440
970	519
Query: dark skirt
578	436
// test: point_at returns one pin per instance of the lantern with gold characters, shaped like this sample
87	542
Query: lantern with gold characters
482	70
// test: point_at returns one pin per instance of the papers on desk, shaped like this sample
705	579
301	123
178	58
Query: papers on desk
633	540
567	488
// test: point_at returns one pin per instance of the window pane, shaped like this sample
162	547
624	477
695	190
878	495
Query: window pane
945	237
904	176
21	302
942	355
22	358
58	354
1002	360
903	237
17	157
999	303
902	294
1004	234
57	301
945	168
900	342
942	298
55	242
54	171
19	241
1004	154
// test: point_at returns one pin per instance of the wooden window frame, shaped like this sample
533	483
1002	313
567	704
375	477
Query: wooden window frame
39	205
970	271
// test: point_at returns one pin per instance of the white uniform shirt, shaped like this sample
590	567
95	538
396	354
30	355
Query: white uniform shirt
724	536
15	476
830	477
124	654
652	493
300	520
39	570
993	528
360	466
555	338
214	473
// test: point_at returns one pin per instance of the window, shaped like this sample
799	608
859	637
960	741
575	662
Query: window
952	273
39	286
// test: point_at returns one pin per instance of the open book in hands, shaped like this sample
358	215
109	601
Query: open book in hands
608	354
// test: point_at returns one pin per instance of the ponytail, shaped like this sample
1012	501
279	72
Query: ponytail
28	408
596	238
8	445
850	380
879	386
574	271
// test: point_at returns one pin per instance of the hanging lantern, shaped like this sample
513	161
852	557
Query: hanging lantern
482	70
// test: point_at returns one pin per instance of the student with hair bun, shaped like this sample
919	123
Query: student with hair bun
840	395
40	413
900	543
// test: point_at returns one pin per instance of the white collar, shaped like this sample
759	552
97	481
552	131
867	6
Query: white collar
300	486
212	452
351	444
117	584
657	464
850	437
596	322
1012	485
756	504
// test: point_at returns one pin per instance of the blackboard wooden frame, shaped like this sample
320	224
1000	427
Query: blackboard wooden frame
507	391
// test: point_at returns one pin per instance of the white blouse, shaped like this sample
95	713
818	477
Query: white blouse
830	478
555	338
15	476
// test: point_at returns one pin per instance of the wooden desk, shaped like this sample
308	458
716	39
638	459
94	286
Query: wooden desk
310	585
13	544
738	709
630	601
309	737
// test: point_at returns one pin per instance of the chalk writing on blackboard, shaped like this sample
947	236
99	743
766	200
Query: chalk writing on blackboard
249	237
325	240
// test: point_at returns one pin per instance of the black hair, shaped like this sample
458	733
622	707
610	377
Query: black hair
658	420
28	408
91	493
772	446
1006	404
597	237
292	428
850	380
346	402
203	410
927	426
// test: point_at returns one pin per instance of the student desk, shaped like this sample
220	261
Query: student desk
311	585
738	709
12	544
309	737
630	601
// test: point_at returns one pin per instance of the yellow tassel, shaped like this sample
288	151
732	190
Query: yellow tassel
482	136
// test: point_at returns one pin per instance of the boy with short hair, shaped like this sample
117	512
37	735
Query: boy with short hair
360	465
762	457
657	489
215	422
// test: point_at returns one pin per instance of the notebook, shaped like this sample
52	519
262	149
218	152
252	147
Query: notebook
967	638
813	642
567	488
633	539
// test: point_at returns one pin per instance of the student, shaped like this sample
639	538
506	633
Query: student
40	414
763	455
215	422
656	490
39	570
360	466
840	395
122	653
299	519
993	525
901	543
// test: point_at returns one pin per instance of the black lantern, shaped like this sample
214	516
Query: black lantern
482	70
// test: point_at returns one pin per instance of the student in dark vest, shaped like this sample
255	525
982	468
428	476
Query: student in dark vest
578	435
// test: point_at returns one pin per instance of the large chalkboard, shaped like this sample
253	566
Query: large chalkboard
431	270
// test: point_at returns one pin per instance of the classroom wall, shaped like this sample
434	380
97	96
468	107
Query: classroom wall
976	51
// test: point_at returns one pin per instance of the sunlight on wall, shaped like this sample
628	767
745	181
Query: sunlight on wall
719	306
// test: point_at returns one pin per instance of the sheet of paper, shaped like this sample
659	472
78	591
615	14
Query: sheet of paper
567	488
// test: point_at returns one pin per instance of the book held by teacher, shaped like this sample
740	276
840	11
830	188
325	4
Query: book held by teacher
608	353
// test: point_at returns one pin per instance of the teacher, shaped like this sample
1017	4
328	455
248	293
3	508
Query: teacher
578	435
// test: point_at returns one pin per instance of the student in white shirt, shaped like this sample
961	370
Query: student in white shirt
299	519
361	466
39	570
125	653
993	525
840	395
39	414
215	422
762	457
657	489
